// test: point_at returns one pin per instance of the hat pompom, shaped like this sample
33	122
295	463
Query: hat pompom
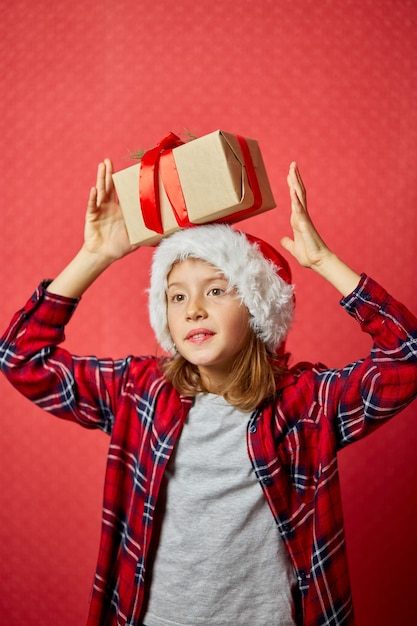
259	273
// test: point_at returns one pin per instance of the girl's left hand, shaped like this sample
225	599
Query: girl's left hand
306	246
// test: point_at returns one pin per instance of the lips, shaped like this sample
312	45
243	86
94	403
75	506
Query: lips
199	335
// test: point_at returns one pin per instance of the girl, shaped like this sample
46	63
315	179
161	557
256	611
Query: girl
222	501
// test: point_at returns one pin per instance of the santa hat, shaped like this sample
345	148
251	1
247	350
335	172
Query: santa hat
261	276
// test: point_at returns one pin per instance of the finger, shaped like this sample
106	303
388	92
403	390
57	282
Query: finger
298	177
92	200
287	244
291	174
108	182
292	178
295	182
100	183
296	202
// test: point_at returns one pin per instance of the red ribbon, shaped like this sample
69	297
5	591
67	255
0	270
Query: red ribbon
160	160
173	189
149	182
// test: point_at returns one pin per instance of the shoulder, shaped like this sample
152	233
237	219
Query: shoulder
300	374
146	372
145	367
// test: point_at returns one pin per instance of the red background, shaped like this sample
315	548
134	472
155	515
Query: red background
329	83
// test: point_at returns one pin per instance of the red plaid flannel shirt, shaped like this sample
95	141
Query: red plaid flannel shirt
292	442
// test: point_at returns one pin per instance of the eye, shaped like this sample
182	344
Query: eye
177	297
216	291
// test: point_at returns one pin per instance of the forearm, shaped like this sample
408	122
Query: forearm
31	358
384	382
79	274
337	273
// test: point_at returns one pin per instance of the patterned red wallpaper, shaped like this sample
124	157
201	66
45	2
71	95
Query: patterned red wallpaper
329	83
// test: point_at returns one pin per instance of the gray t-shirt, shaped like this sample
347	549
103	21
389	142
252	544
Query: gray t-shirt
220	559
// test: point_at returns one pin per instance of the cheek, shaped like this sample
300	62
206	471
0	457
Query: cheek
171	319
240	325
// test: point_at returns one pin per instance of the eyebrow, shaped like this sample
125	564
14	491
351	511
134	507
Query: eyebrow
209	279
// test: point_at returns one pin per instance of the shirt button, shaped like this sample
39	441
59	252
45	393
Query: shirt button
267	480
252	428
286	528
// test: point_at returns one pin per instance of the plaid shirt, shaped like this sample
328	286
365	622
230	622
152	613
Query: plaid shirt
292	443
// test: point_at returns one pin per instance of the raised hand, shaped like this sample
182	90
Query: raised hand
105	238
105	232
306	246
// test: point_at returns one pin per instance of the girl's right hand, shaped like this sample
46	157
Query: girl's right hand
105	232
105	238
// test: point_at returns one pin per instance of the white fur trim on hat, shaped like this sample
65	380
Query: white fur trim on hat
268	298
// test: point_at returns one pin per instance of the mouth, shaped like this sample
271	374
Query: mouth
199	335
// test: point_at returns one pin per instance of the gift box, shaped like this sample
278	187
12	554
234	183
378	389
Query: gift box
219	177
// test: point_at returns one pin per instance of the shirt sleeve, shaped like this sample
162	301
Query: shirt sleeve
81	389
364	394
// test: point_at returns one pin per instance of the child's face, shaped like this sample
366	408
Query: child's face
208	324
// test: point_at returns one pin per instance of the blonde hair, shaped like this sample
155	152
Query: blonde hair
251	380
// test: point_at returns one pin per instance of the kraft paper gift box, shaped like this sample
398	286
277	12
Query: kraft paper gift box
217	177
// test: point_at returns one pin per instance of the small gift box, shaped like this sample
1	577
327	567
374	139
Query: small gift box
219	177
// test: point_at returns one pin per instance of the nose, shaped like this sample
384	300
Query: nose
195	308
